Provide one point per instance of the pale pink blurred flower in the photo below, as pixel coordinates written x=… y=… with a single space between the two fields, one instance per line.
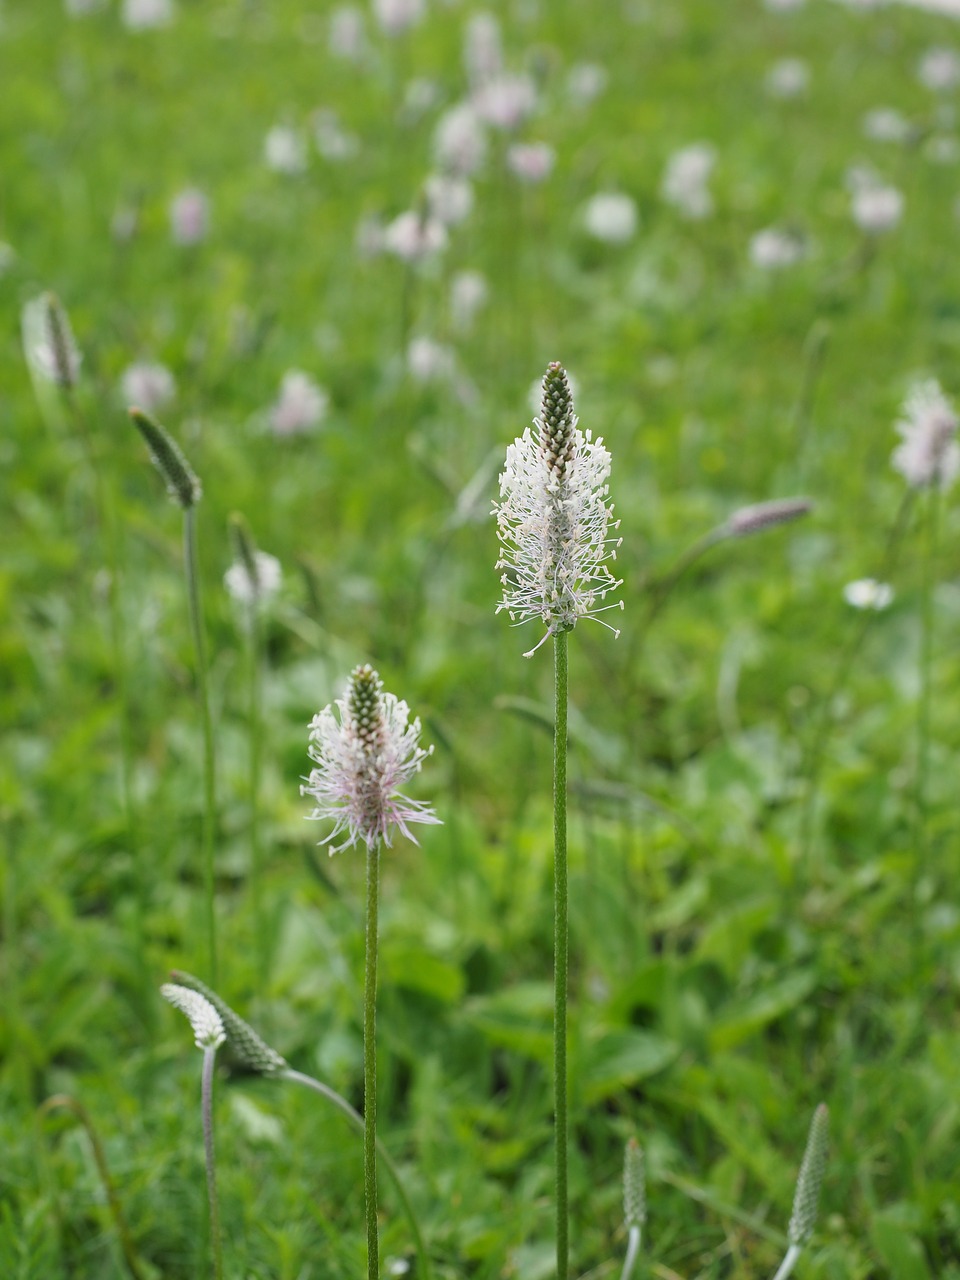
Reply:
x=189 y=216
x=585 y=82
x=257 y=588
x=773 y=249
x=482 y=53
x=413 y=236
x=939 y=70
x=147 y=384
x=885 y=124
x=347 y=35
x=301 y=405
x=505 y=101
x=868 y=593
x=285 y=150
x=531 y=161
x=788 y=78
x=929 y=453
x=685 y=180
x=365 y=748
x=429 y=361
x=612 y=217
x=145 y=15
x=876 y=208
x=468 y=292
x=449 y=199
x=459 y=142
x=397 y=16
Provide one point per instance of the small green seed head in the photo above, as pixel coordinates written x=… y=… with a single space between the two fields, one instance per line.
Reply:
x=252 y=1051
x=166 y=455
x=363 y=701
x=557 y=420
x=634 y=1185
x=807 y=1196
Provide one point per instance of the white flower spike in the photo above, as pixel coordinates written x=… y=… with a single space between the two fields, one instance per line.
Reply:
x=364 y=752
x=207 y=1026
x=554 y=520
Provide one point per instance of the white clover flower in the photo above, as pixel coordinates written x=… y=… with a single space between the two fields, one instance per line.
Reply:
x=397 y=16
x=868 y=593
x=189 y=216
x=256 y=584
x=554 y=519
x=48 y=341
x=459 y=142
x=145 y=15
x=611 y=216
x=449 y=199
x=364 y=751
x=788 y=78
x=148 y=385
x=206 y=1023
x=876 y=208
x=468 y=292
x=929 y=453
x=885 y=124
x=301 y=405
x=773 y=249
x=939 y=70
x=413 y=236
x=685 y=180
x=285 y=150
x=531 y=161
x=505 y=101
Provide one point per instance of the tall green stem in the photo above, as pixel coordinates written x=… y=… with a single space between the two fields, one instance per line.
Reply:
x=209 y=767
x=560 y=947
x=209 y=1062
x=923 y=708
x=256 y=855
x=370 y=1065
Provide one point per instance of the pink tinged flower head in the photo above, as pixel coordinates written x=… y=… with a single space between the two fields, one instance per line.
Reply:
x=876 y=208
x=301 y=405
x=347 y=37
x=929 y=453
x=397 y=16
x=149 y=385
x=531 y=161
x=506 y=101
x=554 y=519
x=413 y=236
x=482 y=49
x=364 y=749
x=459 y=142
x=189 y=217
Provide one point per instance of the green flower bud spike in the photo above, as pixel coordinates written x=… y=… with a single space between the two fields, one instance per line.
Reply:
x=806 y=1199
x=167 y=456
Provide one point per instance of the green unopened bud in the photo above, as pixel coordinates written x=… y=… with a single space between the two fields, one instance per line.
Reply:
x=634 y=1185
x=167 y=456
x=251 y=1050
x=807 y=1196
x=557 y=420
x=767 y=515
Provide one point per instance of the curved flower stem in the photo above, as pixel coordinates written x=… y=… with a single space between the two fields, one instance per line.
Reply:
x=209 y=765
x=209 y=1062
x=370 y=1064
x=255 y=657
x=560 y=947
x=923 y=709
x=789 y=1262
x=356 y=1119
x=633 y=1252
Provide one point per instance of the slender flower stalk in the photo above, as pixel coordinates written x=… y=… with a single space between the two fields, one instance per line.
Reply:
x=185 y=490
x=921 y=810
x=363 y=753
x=209 y=1035
x=634 y=1203
x=554 y=524
x=806 y=1198
x=256 y=1055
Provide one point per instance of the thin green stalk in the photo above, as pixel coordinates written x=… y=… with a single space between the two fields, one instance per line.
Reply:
x=560 y=948
x=255 y=657
x=191 y=567
x=633 y=1252
x=789 y=1262
x=356 y=1119
x=209 y=1062
x=921 y=842
x=370 y=1065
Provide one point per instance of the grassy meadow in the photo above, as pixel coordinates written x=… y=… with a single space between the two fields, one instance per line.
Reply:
x=764 y=854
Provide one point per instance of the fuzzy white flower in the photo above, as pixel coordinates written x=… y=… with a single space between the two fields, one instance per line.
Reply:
x=929 y=453
x=397 y=16
x=256 y=587
x=505 y=101
x=189 y=216
x=876 y=208
x=585 y=82
x=554 y=519
x=145 y=15
x=204 y=1020
x=482 y=53
x=531 y=161
x=429 y=361
x=148 y=385
x=468 y=293
x=285 y=150
x=413 y=236
x=301 y=405
x=347 y=37
x=611 y=216
x=939 y=70
x=788 y=78
x=363 y=752
x=449 y=199
x=772 y=249
x=685 y=180
x=459 y=142
x=886 y=124
x=868 y=593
